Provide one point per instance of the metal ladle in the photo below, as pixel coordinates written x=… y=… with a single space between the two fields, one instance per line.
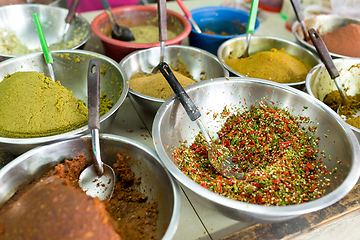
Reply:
x=328 y=62
x=188 y=15
x=223 y=164
x=299 y=16
x=250 y=27
x=97 y=180
x=119 y=32
x=162 y=31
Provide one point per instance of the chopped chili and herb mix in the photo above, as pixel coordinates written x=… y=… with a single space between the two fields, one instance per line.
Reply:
x=276 y=151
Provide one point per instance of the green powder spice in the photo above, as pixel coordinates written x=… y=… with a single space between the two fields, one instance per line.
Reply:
x=276 y=151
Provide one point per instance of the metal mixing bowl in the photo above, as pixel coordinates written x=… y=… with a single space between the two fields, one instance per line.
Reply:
x=200 y=63
x=19 y=19
x=323 y=23
x=319 y=82
x=172 y=126
x=156 y=183
x=70 y=67
x=235 y=47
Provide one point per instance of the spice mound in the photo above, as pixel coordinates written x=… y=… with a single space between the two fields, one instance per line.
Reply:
x=275 y=65
x=54 y=207
x=274 y=150
x=33 y=105
x=343 y=41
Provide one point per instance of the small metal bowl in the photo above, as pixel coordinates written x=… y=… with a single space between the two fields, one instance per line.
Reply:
x=319 y=82
x=323 y=23
x=70 y=67
x=235 y=47
x=156 y=183
x=172 y=126
x=19 y=19
x=200 y=63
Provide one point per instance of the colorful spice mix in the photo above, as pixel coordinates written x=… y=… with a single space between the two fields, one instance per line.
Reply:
x=276 y=151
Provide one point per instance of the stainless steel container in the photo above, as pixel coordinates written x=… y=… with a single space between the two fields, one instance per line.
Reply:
x=70 y=67
x=172 y=126
x=200 y=63
x=156 y=183
x=234 y=48
x=19 y=19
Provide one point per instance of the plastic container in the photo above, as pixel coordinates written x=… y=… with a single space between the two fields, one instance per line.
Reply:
x=218 y=19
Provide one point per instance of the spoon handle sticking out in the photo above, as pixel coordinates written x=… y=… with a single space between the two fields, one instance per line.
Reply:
x=327 y=60
x=111 y=16
x=252 y=17
x=94 y=111
x=47 y=55
x=70 y=16
x=299 y=16
x=188 y=15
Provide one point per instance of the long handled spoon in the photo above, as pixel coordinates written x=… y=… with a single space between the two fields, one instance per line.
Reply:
x=188 y=15
x=70 y=17
x=119 y=32
x=250 y=27
x=299 y=17
x=219 y=156
x=97 y=180
x=47 y=55
x=162 y=31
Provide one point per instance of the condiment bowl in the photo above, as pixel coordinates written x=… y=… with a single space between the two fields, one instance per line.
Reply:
x=70 y=67
x=156 y=183
x=319 y=82
x=132 y=16
x=234 y=48
x=172 y=127
x=323 y=23
x=200 y=63
x=19 y=19
x=218 y=20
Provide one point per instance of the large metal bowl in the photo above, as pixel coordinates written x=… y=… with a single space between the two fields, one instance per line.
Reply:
x=319 y=82
x=172 y=126
x=323 y=23
x=72 y=74
x=19 y=19
x=235 y=47
x=156 y=183
x=200 y=63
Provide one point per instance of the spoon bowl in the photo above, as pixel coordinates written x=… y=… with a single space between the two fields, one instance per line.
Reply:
x=97 y=180
x=119 y=32
x=219 y=156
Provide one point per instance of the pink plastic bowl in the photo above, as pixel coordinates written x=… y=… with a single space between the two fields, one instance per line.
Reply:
x=132 y=16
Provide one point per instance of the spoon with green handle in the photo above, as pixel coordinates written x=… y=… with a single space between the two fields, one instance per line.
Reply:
x=250 y=27
x=47 y=55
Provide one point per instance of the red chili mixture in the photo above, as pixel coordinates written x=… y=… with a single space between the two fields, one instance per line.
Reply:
x=274 y=150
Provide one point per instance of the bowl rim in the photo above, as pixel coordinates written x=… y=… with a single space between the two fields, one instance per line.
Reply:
x=217 y=9
x=77 y=16
x=309 y=46
x=269 y=211
x=160 y=100
x=94 y=27
x=224 y=44
x=175 y=216
x=321 y=65
x=78 y=131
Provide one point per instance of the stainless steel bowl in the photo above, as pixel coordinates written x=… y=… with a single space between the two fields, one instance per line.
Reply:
x=319 y=82
x=19 y=19
x=156 y=183
x=323 y=23
x=172 y=126
x=235 y=47
x=72 y=74
x=196 y=60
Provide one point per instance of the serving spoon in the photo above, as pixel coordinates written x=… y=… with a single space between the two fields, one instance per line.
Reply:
x=188 y=15
x=97 y=180
x=250 y=27
x=119 y=32
x=161 y=6
x=219 y=156
x=69 y=18
x=328 y=62
x=299 y=16
x=46 y=52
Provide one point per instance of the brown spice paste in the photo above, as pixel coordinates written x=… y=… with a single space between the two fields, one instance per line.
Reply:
x=275 y=65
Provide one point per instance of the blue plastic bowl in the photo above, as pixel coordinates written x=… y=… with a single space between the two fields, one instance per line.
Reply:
x=218 y=19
